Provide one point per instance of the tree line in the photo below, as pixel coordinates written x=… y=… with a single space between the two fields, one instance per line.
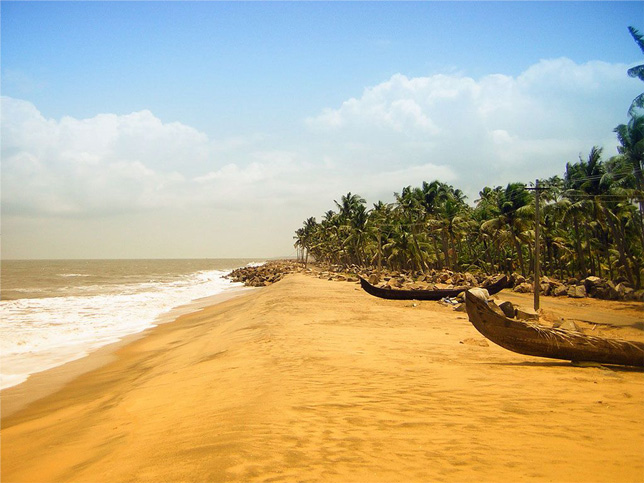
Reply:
x=591 y=220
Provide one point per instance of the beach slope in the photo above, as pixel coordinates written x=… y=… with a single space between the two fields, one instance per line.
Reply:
x=311 y=380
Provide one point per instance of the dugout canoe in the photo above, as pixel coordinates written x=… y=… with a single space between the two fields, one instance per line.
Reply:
x=394 y=294
x=536 y=340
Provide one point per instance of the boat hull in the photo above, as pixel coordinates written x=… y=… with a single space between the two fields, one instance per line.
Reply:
x=534 y=340
x=392 y=294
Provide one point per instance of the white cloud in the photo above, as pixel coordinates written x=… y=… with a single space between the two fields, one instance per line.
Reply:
x=467 y=132
x=113 y=164
x=489 y=131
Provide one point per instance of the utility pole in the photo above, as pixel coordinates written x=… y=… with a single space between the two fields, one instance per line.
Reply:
x=537 y=271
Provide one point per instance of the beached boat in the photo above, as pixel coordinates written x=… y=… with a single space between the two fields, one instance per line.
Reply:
x=394 y=294
x=536 y=340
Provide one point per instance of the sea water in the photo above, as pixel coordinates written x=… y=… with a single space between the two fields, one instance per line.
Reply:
x=56 y=311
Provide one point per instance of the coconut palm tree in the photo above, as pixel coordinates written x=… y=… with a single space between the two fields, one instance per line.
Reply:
x=411 y=211
x=305 y=236
x=514 y=212
x=637 y=71
x=631 y=139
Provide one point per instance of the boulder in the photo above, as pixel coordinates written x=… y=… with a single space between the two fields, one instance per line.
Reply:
x=560 y=290
x=470 y=279
x=508 y=309
x=524 y=287
x=590 y=282
x=623 y=290
x=611 y=288
x=545 y=288
x=577 y=291
x=637 y=296
x=444 y=277
x=374 y=279
x=495 y=307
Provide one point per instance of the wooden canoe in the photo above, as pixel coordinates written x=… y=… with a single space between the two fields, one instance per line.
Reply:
x=536 y=340
x=393 y=294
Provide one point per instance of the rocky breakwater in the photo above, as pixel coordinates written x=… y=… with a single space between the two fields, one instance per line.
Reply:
x=432 y=280
x=263 y=275
x=588 y=287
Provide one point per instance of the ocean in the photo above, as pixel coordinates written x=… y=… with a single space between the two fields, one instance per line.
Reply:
x=56 y=311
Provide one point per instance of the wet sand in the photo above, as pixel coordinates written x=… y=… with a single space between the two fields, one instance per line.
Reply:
x=311 y=380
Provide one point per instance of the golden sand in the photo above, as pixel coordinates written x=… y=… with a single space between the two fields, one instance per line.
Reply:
x=311 y=380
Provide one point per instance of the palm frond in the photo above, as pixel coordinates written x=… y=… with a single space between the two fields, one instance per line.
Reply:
x=638 y=37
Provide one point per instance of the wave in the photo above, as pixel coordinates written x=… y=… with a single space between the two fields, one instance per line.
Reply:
x=39 y=333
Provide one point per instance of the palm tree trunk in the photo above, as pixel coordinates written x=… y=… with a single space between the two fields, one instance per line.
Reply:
x=517 y=248
x=580 y=255
x=621 y=245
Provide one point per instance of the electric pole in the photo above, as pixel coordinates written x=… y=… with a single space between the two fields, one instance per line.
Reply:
x=537 y=271
x=537 y=266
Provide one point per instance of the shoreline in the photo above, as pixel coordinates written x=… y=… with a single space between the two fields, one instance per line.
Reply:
x=44 y=383
x=315 y=380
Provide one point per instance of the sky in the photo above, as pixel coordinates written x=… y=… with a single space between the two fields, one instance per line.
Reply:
x=214 y=129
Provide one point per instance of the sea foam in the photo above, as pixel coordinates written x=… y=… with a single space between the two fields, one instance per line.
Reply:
x=40 y=333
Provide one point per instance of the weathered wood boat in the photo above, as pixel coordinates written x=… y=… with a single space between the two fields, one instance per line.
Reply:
x=393 y=294
x=536 y=340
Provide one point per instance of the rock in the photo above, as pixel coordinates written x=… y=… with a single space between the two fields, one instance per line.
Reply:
x=443 y=286
x=637 y=296
x=545 y=288
x=560 y=291
x=495 y=307
x=612 y=290
x=591 y=281
x=264 y=275
x=566 y=325
x=374 y=279
x=577 y=291
x=480 y=293
x=623 y=290
x=508 y=309
x=526 y=314
x=518 y=279
x=394 y=283
x=470 y=279
x=524 y=287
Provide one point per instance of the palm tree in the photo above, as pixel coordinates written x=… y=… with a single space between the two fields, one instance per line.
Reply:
x=514 y=213
x=631 y=138
x=411 y=211
x=637 y=71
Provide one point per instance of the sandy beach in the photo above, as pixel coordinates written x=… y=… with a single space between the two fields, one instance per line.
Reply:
x=312 y=380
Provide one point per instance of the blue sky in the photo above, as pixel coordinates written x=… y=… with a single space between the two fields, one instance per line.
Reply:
x=290 y=103
x=214 y=65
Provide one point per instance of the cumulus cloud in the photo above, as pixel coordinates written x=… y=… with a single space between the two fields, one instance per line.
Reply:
x=488 y=131
x=120 y=163
x=468 y=132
